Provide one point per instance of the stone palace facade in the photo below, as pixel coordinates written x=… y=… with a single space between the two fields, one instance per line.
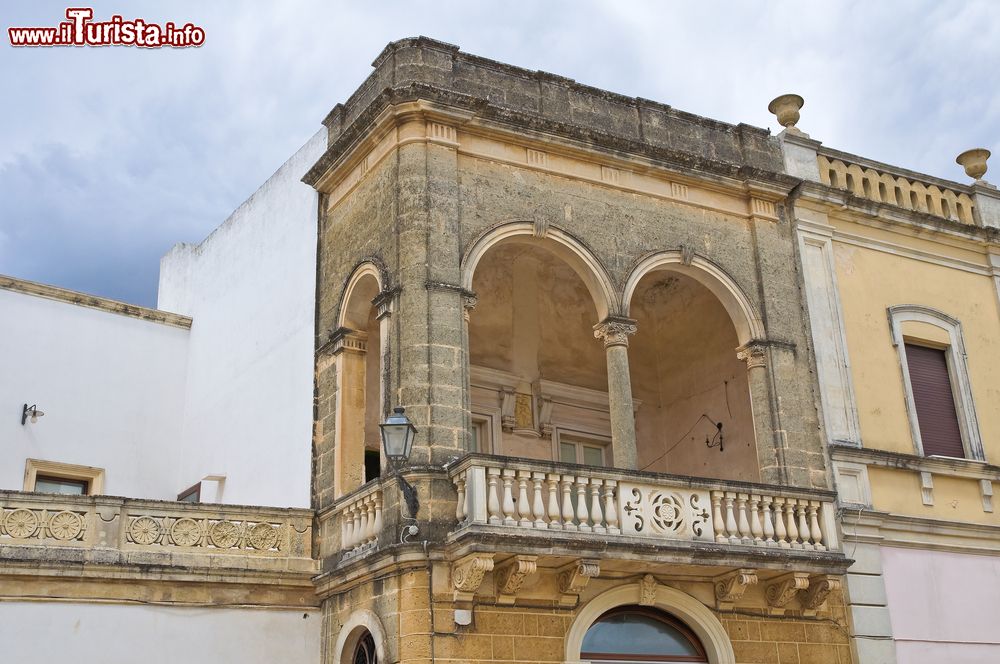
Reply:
x=684 y=391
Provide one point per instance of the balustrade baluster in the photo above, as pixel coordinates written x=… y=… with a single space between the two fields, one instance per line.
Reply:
x=363 y=529
x=744 y=522
x=595 y=506
x=555 y=520
x=377 y=523
x=537 y=501
x=755 y=528
x=567 y=503
x=717 y=523
x=731 y=527
x=358 y=531
x=509 y=513
x=768 y=523
x=804 y=525
x=779 y=523
x=461 y=509
x=493 y=500
x=523 y=504
x=581 y=504
x=346 y=528
x=611 y=507
x=817 y=532
x=793 y=530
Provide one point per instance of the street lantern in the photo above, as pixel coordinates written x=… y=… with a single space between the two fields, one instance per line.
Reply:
x=398 y=433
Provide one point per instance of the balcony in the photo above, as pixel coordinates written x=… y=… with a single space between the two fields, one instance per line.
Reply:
x=162 y=550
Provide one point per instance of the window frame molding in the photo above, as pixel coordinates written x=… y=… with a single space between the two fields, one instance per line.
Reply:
x=958 y=374
x=93 y=476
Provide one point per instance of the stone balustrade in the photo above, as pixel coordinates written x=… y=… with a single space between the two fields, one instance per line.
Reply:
x=509 y=493
x=360 y=517
x=903 y=189
x=146 y=530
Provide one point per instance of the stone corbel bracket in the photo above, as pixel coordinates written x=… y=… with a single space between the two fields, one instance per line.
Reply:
x=511 y=575
x=467 y=575
x=782 y=589
x=814 y=597
x=729 y=587
x=573 y=579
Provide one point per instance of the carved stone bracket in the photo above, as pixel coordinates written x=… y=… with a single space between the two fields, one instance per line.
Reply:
x=545 y=415
x=754 y=353
x=508 y=400
x=647 y=590
x=469 y=302
x=615 y=331
x=783 y=589
x=820 y=587
x=511 y=575
x=573 y=579
x=467 y=575
x=729 y=588
x=383 y=302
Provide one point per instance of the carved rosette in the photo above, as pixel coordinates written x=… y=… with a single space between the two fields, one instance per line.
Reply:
x=647 y=590
x=185 y=532
x=615 y=331
x=144 y=530
x=783 y=590
x=753 y=353
x=263 y=536
x=224 y=534
x=65 y=525
x=820 y=587
x=467 y=575
x=510 y=577
x=21 y=523
x=729 y=588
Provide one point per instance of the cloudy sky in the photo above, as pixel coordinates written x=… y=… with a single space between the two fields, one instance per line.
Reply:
x=108 y=156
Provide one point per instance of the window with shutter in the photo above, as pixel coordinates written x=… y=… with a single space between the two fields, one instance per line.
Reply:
x=934 y=401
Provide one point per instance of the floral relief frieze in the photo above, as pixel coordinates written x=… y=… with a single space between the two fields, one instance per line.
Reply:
x=21 y=523
x=242 y=535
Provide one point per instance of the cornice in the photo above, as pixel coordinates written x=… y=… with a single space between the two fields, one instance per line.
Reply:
x=935 y=465
x=94 y=302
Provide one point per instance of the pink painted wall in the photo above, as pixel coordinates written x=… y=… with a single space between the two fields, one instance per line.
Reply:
x=944 y=606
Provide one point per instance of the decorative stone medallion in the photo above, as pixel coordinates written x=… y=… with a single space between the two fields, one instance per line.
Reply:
x=21 y=523
x=65 y=525
x=224 y=534
x=144 y=530
x=185 y=532
x=263 y=537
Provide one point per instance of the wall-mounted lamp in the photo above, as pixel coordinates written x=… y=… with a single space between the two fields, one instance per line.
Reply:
x=398 y=433
x=32 y=412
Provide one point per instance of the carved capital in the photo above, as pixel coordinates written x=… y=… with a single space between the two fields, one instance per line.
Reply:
x=574 y=579
x=729 y=588
x=783 y=589
x=467 y=575
x=647 y=590
x=615 y=331
x=469 y=302
x=820 y=587
x=754 y=353
x=511 y=575
x=383 y=302
x=347 y=340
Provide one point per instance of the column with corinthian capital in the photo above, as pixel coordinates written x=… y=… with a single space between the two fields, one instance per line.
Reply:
x=615 y=332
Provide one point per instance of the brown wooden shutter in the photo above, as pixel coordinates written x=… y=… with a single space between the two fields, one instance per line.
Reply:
x=934 y=401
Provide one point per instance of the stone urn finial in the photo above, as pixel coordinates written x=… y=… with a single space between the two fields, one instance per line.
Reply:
x=974 y=162
x=786 y=107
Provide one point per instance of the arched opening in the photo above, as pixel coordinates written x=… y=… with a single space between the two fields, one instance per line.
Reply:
x=359 y=380
x=688 y=379
x=538 y=376
x=364 y=650
x=634 y=634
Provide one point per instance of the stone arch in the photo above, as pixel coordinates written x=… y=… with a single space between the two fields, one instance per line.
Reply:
x=746 y=320
x=686 y=608
x=562 y=244
x=362 y=287
x=357 y=624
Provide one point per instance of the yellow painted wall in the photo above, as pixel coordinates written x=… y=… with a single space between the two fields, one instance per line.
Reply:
x=870 y=281
x=955 y=498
